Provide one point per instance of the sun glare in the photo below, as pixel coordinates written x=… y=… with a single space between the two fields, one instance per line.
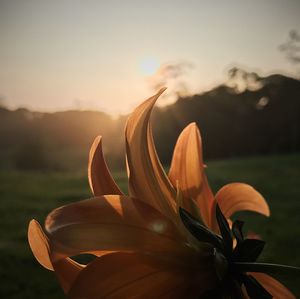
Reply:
x=149 y=66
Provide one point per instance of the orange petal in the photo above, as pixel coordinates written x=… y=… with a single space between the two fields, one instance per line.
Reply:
x=125 y=275
x=147 y=179
x=66 y=270
x=39 y=244
x=187 y=168
x=273 y=286
x=236 y=197
x=112 y=223
x=253 y=235
x=100 y=179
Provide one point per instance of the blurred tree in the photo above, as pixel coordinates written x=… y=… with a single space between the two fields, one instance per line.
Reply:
x=2 y=102
x=291 y=47
x=31 y=156
x=260 y=120
x=240 y=80
x=173 y=75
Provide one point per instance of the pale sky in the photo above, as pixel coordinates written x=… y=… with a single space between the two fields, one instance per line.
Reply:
x=63 y=54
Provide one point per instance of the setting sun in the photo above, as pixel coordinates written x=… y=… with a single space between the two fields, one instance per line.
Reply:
x=149 y=66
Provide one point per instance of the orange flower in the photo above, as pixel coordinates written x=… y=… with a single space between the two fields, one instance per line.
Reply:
x=141 y=246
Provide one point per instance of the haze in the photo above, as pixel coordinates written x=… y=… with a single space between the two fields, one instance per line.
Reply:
x=58 y=55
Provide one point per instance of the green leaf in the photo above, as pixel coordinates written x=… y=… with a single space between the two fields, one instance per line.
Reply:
x=237 y=230
x=248 y=250
x=266 y=268
x=221 y=264
x=254 y=289
x=224 y=229
x=199 y=231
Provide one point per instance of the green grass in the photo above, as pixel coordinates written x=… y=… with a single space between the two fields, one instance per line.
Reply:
x=32 y=195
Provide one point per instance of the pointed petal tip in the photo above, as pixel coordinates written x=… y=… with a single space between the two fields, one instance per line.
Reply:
x=97 y=140
x=163 y=89
x=147 y=178
x=100 y=180
x=192 y=125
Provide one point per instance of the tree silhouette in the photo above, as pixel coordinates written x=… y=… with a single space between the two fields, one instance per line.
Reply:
x=291 y=47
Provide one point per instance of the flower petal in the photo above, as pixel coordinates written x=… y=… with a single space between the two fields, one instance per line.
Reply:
x=126 y=275
x=239 y=196
x=66 y=270
x=236 y=197
x=273 y=286
x=39 y=244
x=100 y=179
x=187 y=168
x=111 y=223
x=147 y=179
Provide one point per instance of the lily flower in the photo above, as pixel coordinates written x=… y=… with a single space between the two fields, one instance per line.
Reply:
x=145 y=245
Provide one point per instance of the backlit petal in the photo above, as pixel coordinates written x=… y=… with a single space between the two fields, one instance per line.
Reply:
x=39 y=244
x=66 y=270
x=100 y=179
x=147 y=179
x=125 y=275
x=273 y=286
x=237 y=197
x=112 y=223
x=187 y=168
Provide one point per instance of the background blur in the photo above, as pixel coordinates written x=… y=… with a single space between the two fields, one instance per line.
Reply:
x=71 y=70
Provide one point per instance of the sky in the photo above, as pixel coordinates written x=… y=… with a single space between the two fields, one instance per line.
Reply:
x=72 y=54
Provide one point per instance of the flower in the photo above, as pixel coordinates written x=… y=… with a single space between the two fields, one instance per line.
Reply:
x=233 y=263
x=141 y=242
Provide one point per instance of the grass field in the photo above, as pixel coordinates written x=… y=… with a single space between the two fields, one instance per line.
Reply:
x=33 y=195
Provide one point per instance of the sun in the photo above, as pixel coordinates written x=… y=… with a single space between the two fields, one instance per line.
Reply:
x=149 y=66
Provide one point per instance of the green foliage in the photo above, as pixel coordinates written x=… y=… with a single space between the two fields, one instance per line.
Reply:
x=26 y=195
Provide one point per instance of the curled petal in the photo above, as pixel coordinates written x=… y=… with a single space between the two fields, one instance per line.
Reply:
x=236 y=197
x=123 y=275
x=100 y=179
x=39 y=244
x=147 y=179
x=66 y=270
x=187 y=168
x=111 y=223
x=273 y=286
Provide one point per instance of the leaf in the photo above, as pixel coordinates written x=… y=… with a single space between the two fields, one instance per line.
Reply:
x=221 y=264
x=229 y=288
x=224 y=229
x=237 y=230
x=198 y=230
x=248 y=250
x=254 y=289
